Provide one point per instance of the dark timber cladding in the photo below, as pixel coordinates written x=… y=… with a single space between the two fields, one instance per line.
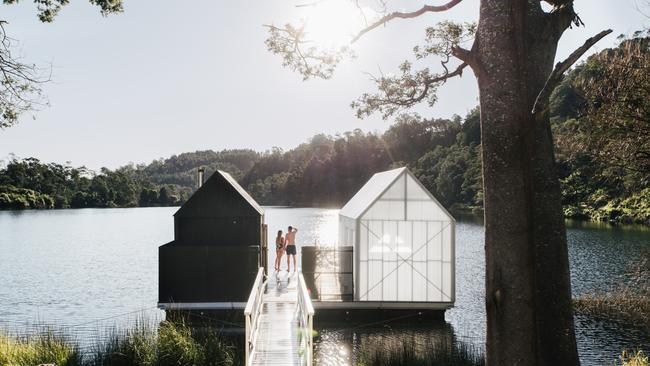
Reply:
x=218 y=236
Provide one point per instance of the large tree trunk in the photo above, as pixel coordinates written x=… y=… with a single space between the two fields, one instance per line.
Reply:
x=528 y=297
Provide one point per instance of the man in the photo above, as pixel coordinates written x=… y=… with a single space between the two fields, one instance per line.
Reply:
x=290 y=240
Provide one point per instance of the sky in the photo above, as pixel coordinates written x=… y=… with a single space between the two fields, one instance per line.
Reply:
x=165 y=77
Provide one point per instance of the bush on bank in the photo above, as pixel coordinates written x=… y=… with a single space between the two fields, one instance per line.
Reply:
x=439 y=353
x=637 y=358
x=12 y=198
x=143 y=345
x=628 y=303
x=46 y=347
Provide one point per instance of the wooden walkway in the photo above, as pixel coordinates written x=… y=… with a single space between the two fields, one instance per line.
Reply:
x=277 y=341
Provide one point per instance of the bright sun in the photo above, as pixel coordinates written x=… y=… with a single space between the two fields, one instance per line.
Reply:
x=333 y=23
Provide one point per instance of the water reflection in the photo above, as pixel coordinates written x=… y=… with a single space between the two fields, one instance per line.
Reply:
x=343 y=344
x=328 y=272
x=91 y=269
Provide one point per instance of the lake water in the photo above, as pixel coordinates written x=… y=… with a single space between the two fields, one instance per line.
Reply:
x=87 y=270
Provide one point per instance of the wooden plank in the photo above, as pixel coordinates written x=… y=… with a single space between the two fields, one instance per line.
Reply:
x=277 y=339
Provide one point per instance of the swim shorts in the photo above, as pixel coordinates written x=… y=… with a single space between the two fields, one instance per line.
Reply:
x=291 y=249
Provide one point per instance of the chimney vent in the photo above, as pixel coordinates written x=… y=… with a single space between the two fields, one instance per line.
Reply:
x=199 y=178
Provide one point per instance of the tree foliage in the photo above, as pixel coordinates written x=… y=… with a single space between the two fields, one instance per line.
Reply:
x=20 y=82
x=396 y=93
x=602 y=126
x=329 y=170
x=28 y=183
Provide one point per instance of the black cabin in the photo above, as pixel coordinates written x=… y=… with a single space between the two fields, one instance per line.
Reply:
x=219 y=235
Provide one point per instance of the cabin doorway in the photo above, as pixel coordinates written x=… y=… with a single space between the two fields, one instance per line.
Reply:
x=264 y=250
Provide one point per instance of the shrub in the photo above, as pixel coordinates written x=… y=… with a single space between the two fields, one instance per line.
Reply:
x=45 y=347
x=637 y=358
x=12 y=198
x=172 y=343
x=628 y=303
x=439 y=353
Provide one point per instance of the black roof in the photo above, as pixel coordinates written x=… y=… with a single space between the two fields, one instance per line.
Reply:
x=220 y=196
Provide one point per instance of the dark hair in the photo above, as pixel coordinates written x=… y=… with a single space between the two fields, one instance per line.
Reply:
x=290 y=228
x=279 y=232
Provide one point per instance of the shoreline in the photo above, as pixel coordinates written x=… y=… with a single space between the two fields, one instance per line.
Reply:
x=475 y=212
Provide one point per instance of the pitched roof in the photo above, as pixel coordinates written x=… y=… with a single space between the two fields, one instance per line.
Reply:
x=242 y=192
x=370 y=192
x=378 y=185
x=220 y=196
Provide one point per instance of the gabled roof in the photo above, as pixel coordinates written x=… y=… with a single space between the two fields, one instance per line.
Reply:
x=375 y=188
x=220 y=196
x=242 y=192
x=370 y=192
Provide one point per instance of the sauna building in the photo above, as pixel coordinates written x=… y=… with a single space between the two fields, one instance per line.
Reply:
x=402 y=242
x=219 y=236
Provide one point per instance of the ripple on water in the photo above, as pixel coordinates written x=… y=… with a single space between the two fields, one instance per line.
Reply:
x=72 y=267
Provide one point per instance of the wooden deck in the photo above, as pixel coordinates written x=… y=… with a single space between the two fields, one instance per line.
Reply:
x=277 y=341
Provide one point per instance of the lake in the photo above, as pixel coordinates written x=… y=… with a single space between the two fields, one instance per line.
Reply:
x=85 y=271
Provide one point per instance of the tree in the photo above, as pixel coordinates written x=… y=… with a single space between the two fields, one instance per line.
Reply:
x=20 y=82
x=601 y=119
x=615 y=118
x=148 y=197
x=528 y=294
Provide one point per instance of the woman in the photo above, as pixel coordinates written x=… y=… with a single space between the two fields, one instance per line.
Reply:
x=279 y=249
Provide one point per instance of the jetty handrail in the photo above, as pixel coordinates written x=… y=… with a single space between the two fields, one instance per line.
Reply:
x=252 y=313
x=305 y=319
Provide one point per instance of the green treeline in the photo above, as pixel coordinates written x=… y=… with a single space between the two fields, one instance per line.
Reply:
x=600 y=119
x=601 y=123
x=28 y=183
x=328 y=170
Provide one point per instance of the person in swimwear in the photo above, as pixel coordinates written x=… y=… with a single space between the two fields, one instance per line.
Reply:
x=279 y=249
x=290 y=242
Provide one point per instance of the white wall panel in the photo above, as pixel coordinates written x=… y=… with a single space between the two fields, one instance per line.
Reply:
x=446 y=242
x=446 y=288
x=364 y=239
x=419 y=281
x=414 y=191
x=390 y=281
x=362 y=286
x=404 y=248
x=396 y=191
x=375 y=280
x=415 y=210
x=435 y=281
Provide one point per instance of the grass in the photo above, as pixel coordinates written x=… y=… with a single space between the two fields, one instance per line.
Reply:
x=45 y=347
x=620 y=305
x=628 y=303
x=171 y=343
x=637 y=358
x=439 y=353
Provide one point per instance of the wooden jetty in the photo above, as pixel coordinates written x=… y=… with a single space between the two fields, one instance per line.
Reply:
x=279 y=321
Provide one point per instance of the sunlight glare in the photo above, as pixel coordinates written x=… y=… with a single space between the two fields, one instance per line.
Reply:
x=333 y=23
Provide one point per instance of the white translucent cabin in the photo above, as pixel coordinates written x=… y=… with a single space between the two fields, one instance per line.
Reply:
x=403 y=241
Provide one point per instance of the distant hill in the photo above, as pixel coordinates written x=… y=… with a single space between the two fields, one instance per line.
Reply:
x=181 y=169
x=599 y=121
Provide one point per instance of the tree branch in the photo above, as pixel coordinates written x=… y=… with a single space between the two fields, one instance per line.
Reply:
x=397 y=93
x=541 y=103
x=438 y=79
x=446 y=76
x=19 y=83
x=394 y=15
x=464 y=55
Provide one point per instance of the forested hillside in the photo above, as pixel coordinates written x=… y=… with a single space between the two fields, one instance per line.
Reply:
x=601 y=122
x=600 y=116
x=328 y=170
